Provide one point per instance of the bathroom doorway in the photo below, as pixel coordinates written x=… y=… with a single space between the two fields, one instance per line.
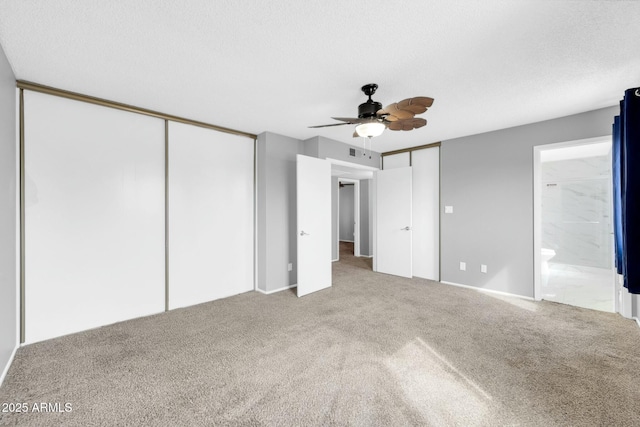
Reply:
x=573 y=224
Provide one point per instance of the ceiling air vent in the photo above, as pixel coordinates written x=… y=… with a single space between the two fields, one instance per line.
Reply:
x=352 y=152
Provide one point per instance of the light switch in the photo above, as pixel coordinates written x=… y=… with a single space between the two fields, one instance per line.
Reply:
x=463 y=266
x=483 y=268
x=448 y=209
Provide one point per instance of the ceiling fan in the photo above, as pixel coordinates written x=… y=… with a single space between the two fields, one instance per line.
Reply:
x=373 y=119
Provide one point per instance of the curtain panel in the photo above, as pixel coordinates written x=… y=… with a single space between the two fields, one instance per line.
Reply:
x=626 y=189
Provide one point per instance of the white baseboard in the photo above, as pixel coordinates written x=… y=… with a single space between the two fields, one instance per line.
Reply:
x=334 y=260
x=490 y=291
x=637 y=321
x=366 y=256
x=348 y=241
x=6 y=368
x=277 y=290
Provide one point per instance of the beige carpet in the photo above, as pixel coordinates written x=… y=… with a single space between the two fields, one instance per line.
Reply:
x=372 y=350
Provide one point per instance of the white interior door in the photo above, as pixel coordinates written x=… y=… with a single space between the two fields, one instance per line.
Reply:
x=313 y=192
x=393 y=222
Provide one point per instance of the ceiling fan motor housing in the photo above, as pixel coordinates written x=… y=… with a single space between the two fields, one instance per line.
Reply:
x=368 y=109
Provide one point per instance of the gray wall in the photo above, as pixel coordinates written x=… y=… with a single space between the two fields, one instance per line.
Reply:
x=488 y=179
x=347 y=213
x=276 y=205
x=335 y=194
x=323 y=148
x=366 y=225
x=277 y=246
x=8 y=222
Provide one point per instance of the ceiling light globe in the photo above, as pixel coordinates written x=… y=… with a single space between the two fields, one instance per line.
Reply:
x=369 y=130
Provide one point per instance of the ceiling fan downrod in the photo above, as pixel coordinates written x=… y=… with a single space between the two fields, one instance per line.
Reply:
x=369 y=108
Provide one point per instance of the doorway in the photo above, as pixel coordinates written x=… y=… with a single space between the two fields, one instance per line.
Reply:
x=358 y=209
x=573 y=224
x=353 y=223
x=349 y=216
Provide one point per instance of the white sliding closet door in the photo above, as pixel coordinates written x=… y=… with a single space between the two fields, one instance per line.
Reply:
x=400 y=160
x=393 y=222
x=94 y=216
x=425 y=165
x=210 y=215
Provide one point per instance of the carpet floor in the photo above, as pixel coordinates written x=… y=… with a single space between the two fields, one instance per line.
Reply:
x=371 y=350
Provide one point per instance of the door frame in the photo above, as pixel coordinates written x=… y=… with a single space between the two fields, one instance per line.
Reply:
x=356 y=215
x=537 y=214
x=365 y=172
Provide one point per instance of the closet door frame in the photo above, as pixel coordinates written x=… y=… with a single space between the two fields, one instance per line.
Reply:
x=34 y=87
x=403 y=158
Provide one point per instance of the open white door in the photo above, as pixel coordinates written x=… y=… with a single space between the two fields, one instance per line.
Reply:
x=393 y=222
x=313 y=192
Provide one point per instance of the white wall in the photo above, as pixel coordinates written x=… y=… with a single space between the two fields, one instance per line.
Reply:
x=94 y=216
x=210 y=215
x=8 y=220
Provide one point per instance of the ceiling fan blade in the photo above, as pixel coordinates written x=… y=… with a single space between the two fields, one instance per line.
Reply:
x=407 y=108
x=326 y=126
x=352 y=120
x=394 y=110
x=411 y=104
x=405 y=105
x=408 y=124
x=423 y=101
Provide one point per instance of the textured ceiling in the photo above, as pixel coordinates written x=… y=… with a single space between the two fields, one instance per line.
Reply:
x=281 y=66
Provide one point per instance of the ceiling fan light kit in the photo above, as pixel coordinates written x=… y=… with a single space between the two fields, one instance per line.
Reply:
x=369 y=130
x=373 y=119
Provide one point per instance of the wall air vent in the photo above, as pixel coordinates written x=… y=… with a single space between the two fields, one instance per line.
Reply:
x=352 y=152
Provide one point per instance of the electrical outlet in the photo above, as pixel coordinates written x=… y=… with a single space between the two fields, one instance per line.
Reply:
x=463 y=266
x=290 y=267
x=483 y=268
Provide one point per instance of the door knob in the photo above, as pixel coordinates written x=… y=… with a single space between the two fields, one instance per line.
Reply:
x=302 y=233
x=407 y=228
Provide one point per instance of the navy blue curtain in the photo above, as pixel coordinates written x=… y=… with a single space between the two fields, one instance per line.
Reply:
x=616 y=172
x=626 y=186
